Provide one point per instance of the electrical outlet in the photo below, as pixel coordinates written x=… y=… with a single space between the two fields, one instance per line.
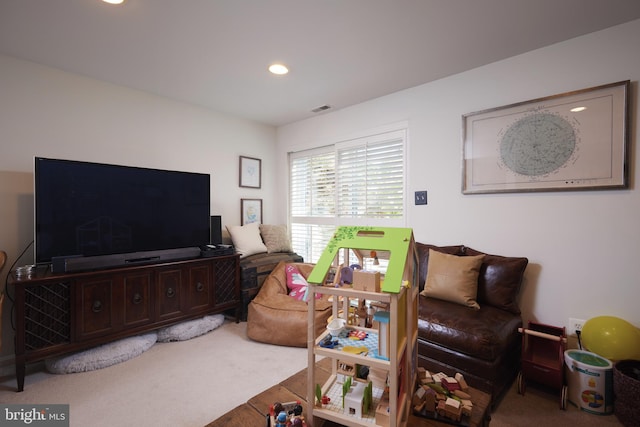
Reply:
x=575 y=325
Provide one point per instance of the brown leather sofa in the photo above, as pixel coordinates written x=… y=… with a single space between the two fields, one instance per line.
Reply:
x=482 y=344
x=276 y=318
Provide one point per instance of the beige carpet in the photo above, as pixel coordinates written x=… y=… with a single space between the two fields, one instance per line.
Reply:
x=191 y=383
x=176 y=384
x=540 y=407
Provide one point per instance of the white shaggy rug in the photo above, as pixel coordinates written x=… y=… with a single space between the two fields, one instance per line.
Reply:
x=190 y=329
x=120 y=351
x=102 y=356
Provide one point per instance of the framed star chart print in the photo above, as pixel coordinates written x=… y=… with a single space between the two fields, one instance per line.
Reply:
x=573 y=141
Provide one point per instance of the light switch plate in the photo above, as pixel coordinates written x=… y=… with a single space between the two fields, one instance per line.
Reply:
x=421 y=197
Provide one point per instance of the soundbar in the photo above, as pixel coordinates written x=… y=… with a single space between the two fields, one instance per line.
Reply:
x=76 y=263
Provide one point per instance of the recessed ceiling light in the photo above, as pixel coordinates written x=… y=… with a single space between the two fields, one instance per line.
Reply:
x=278 y=69
x=114 y=1
x=578 y=109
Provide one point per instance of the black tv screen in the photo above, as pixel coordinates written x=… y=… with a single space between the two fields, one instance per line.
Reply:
x=93 y=209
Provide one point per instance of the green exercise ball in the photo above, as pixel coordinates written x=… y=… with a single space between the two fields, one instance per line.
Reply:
x=612 y=338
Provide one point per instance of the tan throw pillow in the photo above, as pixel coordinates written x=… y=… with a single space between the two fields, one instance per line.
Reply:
x=453 y=278
x=246 y=239
x=275 y=238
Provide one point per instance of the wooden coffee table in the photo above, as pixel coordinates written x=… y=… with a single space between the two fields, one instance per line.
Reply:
x=294 y=388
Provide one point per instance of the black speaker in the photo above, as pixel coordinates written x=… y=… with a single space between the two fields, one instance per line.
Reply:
x=216 y=230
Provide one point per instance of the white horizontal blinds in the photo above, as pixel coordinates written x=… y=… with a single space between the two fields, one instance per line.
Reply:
x=312 y=201
x=310 y=240
x=312 y=179
x=356 y=182
x=352 y=182
x=370 y=178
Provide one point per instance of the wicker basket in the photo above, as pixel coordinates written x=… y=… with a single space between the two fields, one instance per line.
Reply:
x=626 y=389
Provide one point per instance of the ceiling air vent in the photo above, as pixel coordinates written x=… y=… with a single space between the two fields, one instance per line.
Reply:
x=321 y=108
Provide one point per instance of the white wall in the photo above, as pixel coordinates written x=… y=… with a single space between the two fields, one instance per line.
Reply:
x=51 y=113
x=583 y=247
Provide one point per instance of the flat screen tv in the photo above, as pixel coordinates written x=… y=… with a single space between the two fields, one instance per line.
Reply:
x=87 y=209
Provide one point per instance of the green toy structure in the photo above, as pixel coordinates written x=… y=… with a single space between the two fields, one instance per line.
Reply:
x=398 y=242
x=390 y=287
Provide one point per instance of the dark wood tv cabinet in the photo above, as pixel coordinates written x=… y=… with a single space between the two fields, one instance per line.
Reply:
x=62 y=313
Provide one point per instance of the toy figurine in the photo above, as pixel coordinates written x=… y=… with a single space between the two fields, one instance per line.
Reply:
x=346 y=276
x=297 y=410
x=281 y=419
x=297 y=420
x=278 y=407
x=286 y=414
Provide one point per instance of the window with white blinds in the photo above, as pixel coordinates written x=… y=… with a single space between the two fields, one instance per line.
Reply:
x=357 y=182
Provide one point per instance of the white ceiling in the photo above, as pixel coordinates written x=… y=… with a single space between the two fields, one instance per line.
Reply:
x=215 y=53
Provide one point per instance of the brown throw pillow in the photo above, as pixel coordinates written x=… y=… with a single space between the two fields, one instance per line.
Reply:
x=500 y=280
x=453 y=278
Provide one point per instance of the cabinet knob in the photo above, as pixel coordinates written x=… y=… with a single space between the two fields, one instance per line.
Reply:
x=96 y=307
x=170 y=292
x=199 y=287
x=137 y=298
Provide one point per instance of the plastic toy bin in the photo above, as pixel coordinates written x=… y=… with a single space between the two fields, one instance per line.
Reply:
x=590 y=379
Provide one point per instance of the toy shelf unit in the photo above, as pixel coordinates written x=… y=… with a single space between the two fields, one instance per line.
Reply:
x=542 y=361
x=372 y=368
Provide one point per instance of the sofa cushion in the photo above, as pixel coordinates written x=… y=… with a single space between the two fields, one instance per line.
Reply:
x=297 y=284
x=247 y=239
x=453 y=278
x=486 y=333
x=423 y=258
x=499 y=279
x=275 y=238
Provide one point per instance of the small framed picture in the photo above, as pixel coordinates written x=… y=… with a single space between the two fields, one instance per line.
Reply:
x=250 y=172
x=251 y=211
